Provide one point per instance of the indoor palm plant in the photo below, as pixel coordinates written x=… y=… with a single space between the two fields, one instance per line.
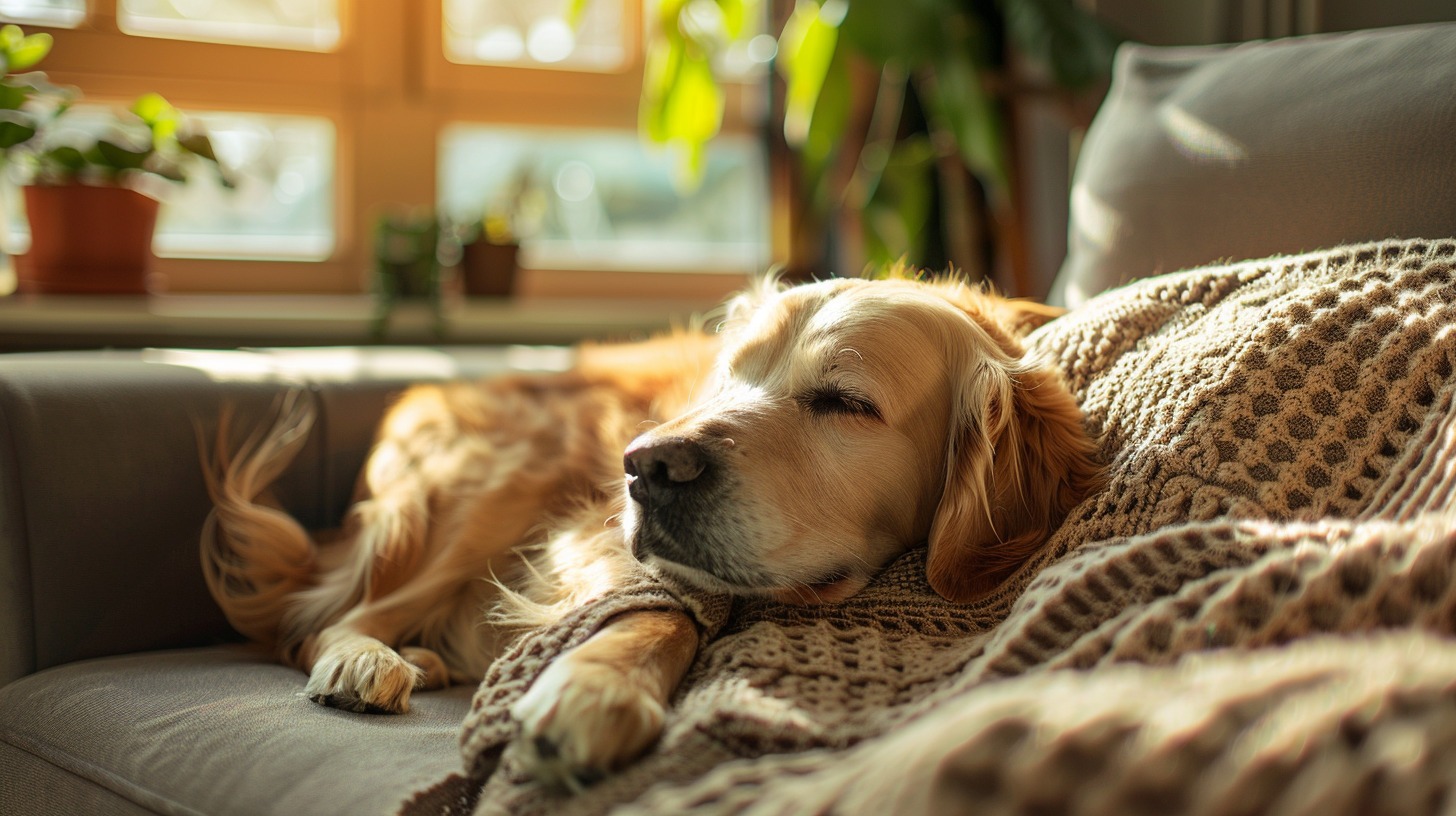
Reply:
x=89 y=178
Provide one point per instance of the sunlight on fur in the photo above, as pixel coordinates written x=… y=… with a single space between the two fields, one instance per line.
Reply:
x=818 y=434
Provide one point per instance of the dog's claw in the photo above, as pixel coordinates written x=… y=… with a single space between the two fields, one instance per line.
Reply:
x=364 y=676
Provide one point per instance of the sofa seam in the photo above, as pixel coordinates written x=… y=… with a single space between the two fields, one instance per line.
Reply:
x=11 y=464
x=94 y=774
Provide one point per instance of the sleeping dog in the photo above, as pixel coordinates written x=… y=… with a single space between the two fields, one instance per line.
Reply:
x=822 y=431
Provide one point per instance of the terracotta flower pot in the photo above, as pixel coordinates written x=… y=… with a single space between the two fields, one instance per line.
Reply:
x=489 y=270
x=87 y=240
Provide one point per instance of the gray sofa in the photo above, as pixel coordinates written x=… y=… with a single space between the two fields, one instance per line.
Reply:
x=124 y=689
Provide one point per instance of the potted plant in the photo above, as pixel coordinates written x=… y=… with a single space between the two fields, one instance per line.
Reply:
x=89 y=181
x=490 y=247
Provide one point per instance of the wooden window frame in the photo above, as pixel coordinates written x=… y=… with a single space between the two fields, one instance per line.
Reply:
x=389 y=91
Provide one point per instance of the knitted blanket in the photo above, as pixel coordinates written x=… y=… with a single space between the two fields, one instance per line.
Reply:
x=1254 y=616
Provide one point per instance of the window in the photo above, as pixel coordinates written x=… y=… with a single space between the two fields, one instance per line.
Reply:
x=536 y=33
x=283 y=206
x=58 y=13
x=312 y=25
x=337 y=111
x=604 y=198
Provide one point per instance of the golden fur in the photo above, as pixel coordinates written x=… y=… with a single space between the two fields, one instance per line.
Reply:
x=821 y=432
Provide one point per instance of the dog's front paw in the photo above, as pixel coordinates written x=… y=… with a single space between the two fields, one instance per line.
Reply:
x=582 y=719
x=364 y=675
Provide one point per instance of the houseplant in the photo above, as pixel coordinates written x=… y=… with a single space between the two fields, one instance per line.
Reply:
x=89 y=178
x=894 y=111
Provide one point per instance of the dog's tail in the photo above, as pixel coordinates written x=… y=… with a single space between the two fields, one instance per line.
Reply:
x=255 y=557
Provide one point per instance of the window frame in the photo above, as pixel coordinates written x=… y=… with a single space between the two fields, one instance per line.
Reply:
x=389 y=90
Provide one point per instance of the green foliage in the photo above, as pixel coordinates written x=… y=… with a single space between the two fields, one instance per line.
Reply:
x=18 y=91
x=939 y=51
x=20 y=50
x=898 y=212
x=682 y=102
x=152 y=137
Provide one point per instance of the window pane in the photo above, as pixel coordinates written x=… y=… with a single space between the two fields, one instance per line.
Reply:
x=281 y=209
x=308 y=25
x=283 y=206
x=57 y=13
x=605 y=200
x=535 y=33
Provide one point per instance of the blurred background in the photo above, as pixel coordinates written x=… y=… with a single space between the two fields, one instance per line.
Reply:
x=645 y=156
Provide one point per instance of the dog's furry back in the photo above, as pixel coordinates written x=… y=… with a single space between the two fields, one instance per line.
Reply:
x=460 y=477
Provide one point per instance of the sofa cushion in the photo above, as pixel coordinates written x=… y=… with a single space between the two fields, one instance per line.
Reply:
x=102 y=493
x=1211 y=153
x=219 y=730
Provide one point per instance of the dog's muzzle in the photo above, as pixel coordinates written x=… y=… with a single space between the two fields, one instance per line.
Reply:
x=677 y=485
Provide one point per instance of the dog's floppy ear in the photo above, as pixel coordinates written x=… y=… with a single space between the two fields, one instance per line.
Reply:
x=1018 y=460
x=1021 y=316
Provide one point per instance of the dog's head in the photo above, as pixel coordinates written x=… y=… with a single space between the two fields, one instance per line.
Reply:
x=849 y=421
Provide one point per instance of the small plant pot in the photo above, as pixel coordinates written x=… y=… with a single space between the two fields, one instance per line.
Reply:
x=488 y=270
x=87 y=240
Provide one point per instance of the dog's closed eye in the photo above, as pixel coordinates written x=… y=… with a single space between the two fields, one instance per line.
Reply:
x=834 y=400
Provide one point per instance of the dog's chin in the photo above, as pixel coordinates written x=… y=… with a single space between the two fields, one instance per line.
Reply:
x=832 y=587
x=694 y=576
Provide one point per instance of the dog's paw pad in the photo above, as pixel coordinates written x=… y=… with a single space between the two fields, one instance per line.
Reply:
x=368 y=680
x=581 y=720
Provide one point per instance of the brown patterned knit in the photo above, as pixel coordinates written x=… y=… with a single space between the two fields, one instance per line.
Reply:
x=1246 y=620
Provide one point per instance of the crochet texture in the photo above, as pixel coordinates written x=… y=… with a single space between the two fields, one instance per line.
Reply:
x=1252 y=617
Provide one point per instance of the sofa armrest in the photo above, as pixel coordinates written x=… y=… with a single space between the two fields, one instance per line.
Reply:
x=102 y=496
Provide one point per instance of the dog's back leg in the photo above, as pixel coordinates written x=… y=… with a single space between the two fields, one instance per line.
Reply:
x=443 y=508
x=429 y=627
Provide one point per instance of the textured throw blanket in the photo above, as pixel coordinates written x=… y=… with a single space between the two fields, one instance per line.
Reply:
x=1253 y=617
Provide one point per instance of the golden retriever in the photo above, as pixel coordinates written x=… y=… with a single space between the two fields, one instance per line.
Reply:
x=823 y=430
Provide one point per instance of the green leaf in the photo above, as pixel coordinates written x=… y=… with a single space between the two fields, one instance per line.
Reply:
x=905 y=31
x=10 y=37
x=829 y=118
x=15 y=128
x=197 y=143
x=168 y=170
x=1056 y=33
x=960 y=103
x=117 y=157
x=28 y=51
x=157 y=112
x=683 y=100
x=12 y=96
x=67 y=159
x=896 y=217
x=693 y=109
x=735 y=16
x=806 y=52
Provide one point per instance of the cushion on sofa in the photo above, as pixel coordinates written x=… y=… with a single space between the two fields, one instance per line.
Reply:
x=1214 y=153
x=220 y=730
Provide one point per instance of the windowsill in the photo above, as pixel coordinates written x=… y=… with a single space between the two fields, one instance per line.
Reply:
x=34 y=323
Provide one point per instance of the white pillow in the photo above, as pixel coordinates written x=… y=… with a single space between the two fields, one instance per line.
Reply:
x=1215 y=153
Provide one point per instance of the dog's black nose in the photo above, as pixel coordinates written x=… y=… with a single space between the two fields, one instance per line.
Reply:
x=658 y=470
